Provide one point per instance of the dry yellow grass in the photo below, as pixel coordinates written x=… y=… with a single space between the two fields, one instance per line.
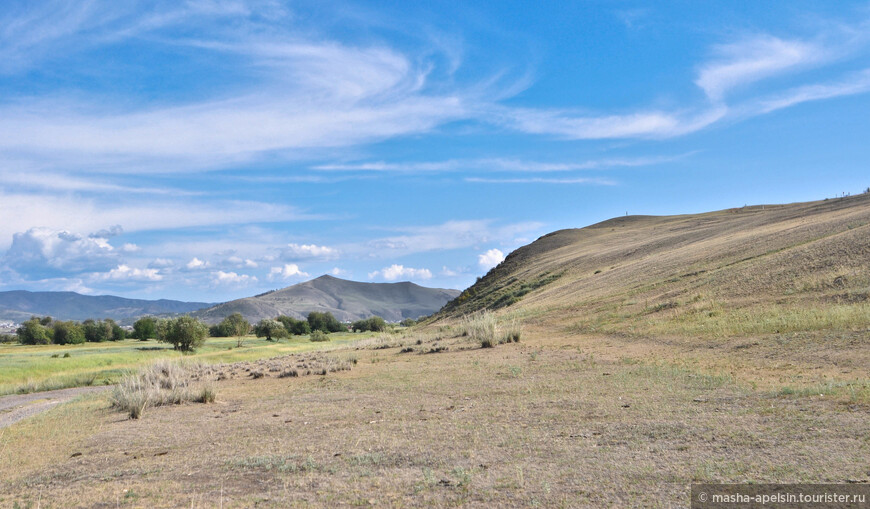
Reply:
x=655 y=352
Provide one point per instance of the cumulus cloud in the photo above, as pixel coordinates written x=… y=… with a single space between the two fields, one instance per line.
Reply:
x=339 y=272
x=126 y=273
x=44 y=253
x=308 y=251
x=196 y=263
x=394 y=272
x=490 y=259
x=289 y=270
x=161 y=263
x=232 y=278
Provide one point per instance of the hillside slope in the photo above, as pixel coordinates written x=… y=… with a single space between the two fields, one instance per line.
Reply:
x=20 y=305
x=752 y=270
x=346 y=300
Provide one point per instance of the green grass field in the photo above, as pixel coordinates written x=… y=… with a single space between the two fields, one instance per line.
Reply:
x=26 y=368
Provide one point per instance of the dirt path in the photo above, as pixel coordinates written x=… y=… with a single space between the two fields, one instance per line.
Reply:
x=21 y=406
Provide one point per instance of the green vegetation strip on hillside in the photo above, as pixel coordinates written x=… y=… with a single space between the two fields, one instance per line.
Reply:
x=25 y=368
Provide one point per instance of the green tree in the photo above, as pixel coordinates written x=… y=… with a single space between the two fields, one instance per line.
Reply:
x=324 y=322
x=97 y=331
x=145 y=328
x=294 y=326
x=68 y=333
x=374 y=324
x=269 y=329
x=185 y=333
x=32 y=332
x=408 y=322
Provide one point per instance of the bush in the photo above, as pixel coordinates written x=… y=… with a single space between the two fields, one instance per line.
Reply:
x=234 y=325
x=68 y=333
x=269 y=329
x=373 y=324
x=318 y=336
x=145 y=328
x=294 y=326
x=33 y=332
x=185 y=333
x=408 y=322
x=8 y=338
x=324 y=322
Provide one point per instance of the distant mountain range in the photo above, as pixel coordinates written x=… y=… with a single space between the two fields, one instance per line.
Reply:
x=19 y=305
x=346 y=300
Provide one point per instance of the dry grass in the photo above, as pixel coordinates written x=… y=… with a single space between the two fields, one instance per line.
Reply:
x=162 y=383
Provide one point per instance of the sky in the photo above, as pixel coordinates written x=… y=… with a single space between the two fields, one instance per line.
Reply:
x=209 y=150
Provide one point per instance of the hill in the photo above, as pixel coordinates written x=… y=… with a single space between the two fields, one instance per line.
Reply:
x=800 y=268
x=18 y=305
x=346 y=300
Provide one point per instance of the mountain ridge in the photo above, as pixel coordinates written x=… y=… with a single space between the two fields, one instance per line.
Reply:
x=346 y=300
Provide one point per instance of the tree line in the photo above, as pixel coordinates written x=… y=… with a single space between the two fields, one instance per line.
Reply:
x=186 y=333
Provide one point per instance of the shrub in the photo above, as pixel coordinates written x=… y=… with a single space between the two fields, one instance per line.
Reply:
x=318 y=336
x=269 y=329
x=373 y=324
x=185 y=333
x=33 y=332
x=68 y=333
x=408 y=322
x=294 y=326
x=8 y=338
x=145 y=328
x=324 y=322
x=234 y=325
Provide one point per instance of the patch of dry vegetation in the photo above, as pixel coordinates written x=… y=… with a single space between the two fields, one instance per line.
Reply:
x=162 y=383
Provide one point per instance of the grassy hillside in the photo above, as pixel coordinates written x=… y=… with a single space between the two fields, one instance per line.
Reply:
x=762 y=269
x=774 y=294
x=347 y=300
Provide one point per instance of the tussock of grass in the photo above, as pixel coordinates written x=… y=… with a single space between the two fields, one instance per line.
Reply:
x=488 y=330
x=162 y=383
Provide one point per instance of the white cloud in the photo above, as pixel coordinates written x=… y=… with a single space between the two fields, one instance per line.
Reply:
x=246 y=262
x=450 y=235
x=289 y=270
x=196 y=263
x=394 y=272
x=130 y=248
x=446 y=272
x=309 y=251
x=45 y=252
x=490 y=259
x=126 y=273
x=76 y=213
x=751 y=60
x=161 y=263
x=232 y=278
x=339 y=272
x=539 y=180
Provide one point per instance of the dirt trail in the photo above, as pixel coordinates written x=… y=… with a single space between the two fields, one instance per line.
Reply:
x=21 y=406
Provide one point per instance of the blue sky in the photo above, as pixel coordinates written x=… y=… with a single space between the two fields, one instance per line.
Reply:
x=209 y=150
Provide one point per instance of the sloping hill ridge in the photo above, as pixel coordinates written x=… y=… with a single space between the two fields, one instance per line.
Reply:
x=20 y=305
x=346 y=300
x=729 y=272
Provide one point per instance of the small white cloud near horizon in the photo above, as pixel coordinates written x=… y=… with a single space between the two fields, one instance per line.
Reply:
x=232 y=278
x=339 y=272
x=490 y=259
x=395 y=271
x=309 y=251
x=126 y=273
x=288 y=271
x=446 y=272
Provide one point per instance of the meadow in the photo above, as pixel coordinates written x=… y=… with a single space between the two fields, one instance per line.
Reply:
x=33 y=368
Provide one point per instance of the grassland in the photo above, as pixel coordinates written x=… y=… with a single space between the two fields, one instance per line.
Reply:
x=26 y=368
x=729 y=347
